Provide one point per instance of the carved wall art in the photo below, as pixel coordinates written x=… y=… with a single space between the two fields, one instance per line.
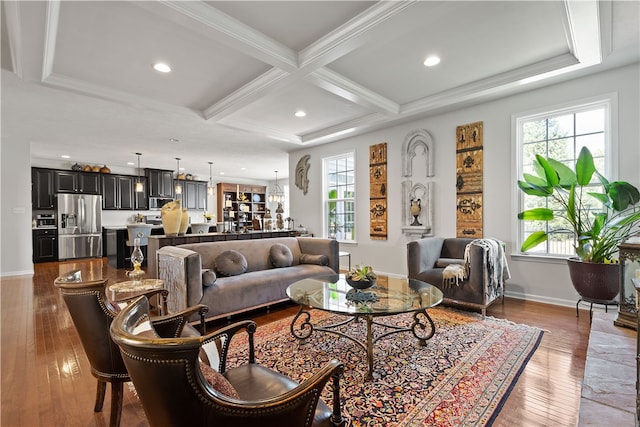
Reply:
x=378 y=191
x=469 y=180
x=302 y=173
x=416 y=142
x=417 y=199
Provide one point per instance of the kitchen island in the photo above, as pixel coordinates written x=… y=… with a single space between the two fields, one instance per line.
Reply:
x=115 y=248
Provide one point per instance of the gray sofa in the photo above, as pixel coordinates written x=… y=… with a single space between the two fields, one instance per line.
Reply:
x=428 y=257
x=183 y=267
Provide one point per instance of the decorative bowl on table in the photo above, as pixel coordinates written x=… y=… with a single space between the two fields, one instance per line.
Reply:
x=361 y=277
x=360 y=284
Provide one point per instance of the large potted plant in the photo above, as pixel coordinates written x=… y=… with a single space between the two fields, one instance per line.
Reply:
x=598 y=230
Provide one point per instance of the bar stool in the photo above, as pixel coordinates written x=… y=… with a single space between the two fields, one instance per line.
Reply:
x=142 y=232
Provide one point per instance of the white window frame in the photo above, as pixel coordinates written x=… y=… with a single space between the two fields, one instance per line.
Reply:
x=325 y=196
x=609 y=102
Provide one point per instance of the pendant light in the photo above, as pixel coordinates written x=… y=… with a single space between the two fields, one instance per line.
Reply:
x=178 y=189
x=139 y=184
x=210 y=188
x=276 y=195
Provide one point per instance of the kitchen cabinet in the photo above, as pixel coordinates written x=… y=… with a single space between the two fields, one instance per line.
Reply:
x=117 y=192
x=77 y=182
x=42 y=192
x=141 y=200
x=45 y=245
x=194 y=194
x=160 y=182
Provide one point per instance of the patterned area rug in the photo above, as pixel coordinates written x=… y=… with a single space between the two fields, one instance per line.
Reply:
x=461 y=378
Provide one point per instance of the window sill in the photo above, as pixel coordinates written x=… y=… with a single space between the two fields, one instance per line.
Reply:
x=549 y=259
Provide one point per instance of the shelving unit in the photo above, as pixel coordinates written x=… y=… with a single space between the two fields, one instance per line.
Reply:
x=241 y=203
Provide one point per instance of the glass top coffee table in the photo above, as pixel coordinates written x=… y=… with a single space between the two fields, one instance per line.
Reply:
x=390 y=296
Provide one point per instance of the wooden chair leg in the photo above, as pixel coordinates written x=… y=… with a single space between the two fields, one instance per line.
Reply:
x=100 y=392
x=116 y=403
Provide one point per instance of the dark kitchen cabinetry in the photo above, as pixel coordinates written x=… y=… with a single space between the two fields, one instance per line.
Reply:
x=117 y=192
x=77 y=182
x=45 y=245
x=42 y=192
x=141 y=200
x=160 y=182
x=194 y=194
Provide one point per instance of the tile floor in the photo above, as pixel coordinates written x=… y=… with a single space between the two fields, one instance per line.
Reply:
x=609 y=386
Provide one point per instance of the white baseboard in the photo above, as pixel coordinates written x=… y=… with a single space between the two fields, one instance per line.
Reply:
x=27 y=273
x=542 y=299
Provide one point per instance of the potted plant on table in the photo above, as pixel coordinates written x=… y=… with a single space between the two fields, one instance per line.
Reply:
x=598 y=232
x=361 y=277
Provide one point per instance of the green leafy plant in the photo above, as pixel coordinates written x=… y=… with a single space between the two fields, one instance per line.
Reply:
x=359 y=273
x=598 y=233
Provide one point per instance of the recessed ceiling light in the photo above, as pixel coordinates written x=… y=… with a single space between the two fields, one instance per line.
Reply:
x=65 y=156
x=431 y=61
x=131 y=163
x=300 y=113
x=221 y=173
x=161 y=67
x=242 y=169
x=174 y=140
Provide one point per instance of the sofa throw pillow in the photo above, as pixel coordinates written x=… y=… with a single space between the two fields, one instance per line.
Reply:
x=218 y=382
x=314 y=259
x=444 y=262
x=280 y=255
x=208 y=277
x=231 y=263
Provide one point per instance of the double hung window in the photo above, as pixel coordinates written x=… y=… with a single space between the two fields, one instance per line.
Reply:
x=339 y=197
x=561 y=134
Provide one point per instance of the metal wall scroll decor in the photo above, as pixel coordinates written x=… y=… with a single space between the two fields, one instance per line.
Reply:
x=302 y=173
x=378 y=191
x=469 y=180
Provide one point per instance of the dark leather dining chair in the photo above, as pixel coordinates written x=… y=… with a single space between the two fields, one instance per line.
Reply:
x=92 y=314
x=169 y=377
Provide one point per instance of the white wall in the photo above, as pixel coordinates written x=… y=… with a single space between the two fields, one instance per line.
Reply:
x=15 y=207
x=539 y=280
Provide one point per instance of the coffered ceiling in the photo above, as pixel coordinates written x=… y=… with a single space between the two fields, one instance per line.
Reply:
x=78 y=77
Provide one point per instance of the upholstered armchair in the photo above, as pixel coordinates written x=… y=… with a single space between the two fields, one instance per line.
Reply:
x=176 y=387
x=92 y=314
x=479 y=283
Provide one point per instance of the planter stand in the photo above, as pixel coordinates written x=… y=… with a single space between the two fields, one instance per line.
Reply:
x=593 y=301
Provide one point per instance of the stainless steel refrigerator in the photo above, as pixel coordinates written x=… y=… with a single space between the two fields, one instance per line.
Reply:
x=79 y=226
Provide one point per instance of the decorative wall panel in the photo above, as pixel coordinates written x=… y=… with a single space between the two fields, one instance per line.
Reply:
x=469 y=180
x=378 y=191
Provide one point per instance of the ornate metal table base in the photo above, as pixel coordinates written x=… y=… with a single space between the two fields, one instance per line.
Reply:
x=422 y=328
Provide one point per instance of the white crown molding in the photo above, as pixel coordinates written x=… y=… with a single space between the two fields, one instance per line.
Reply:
x=82 y=87
x=490 y=86
x=50 y=36
x=351 y=127
x=14 y=31
x=605 y=13
x=260 y=130
x=341 y=86
x=584 y=30
x=252 y=91
x=232 y=32
x=349 y=36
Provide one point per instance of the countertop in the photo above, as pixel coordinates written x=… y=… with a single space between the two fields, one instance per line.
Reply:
x=124 y=227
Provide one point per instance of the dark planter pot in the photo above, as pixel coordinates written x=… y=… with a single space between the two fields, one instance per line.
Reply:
x=595 y=282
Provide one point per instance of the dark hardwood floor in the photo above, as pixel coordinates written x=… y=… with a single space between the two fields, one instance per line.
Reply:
x=46 y=379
